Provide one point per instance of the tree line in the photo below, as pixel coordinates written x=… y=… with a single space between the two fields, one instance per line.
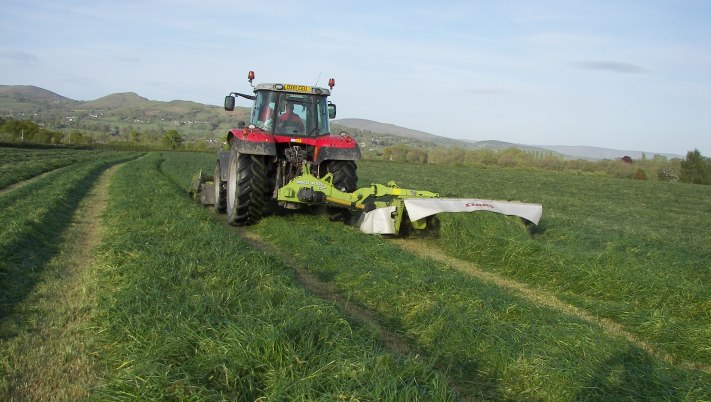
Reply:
x=26 y=131
x=695 y=168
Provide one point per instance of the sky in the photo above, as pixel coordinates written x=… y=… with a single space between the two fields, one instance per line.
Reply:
x=626 y=74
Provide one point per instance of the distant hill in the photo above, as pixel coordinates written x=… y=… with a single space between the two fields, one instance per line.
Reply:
x=121 y=112
x=570 y=152
x=115 y=101
x=31 y=94
x=586 y=152
x=117 y=113
x=27 y=99
x=500 y=145
x=385 y=128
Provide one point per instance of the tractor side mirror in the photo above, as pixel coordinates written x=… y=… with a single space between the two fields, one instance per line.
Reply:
x=331 y=110
x=229 y=103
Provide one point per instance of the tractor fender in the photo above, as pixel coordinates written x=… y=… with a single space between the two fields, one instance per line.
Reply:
x=336 y=148
x=223 y=158
x=251 y=141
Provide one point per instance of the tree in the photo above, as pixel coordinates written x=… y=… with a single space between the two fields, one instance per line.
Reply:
x=416 y=155
x=22 y=130
x=134 y=135
x=640 y=174
x=77 y=137
x=696 y=169
x=397 y=153
x=172 y=139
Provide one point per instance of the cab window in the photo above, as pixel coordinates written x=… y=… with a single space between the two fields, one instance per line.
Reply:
x=263 y=111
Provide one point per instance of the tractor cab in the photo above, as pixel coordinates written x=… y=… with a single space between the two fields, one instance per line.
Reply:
x=300 y=111
x=288 y=109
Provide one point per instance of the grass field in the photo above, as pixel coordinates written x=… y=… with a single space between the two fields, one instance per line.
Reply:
x=17 y=164
x=33 y=216
x=607 y=300
x=633 y=251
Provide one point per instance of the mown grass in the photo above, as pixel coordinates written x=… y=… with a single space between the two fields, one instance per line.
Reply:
x=636 y=252
x=33 y=218
x=493 y=344
x=46 y=350
x=190 y=311
x=42 y=297
x=17 y=164
x=187 y=310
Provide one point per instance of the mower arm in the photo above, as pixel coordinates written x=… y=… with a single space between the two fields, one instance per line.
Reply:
x=384 y=206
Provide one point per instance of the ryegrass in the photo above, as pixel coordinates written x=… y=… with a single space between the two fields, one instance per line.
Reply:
x=42 y=295
x=638 y=253
x=46 y=350
x=494 y=344
x=189 y=311
x=32 y=219
x=17 y=164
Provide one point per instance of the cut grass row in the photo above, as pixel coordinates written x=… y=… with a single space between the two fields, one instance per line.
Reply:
x=10 y=154
x=189 y=311
x=494 y=344
x=46 y=350
x=32 y=219
x=14 y=169
x=638 y=253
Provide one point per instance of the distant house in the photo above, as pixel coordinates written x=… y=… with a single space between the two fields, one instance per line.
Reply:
x=626 y=159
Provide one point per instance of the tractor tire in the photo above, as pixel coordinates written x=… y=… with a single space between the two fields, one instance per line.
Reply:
x=344 y=179
x=246 y=188
x=220 y=191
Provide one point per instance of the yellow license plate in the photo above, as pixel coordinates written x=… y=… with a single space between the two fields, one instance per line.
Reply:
x=297 y=88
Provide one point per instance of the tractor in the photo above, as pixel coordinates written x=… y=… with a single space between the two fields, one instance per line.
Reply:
x=288 y=128
x=287 y=156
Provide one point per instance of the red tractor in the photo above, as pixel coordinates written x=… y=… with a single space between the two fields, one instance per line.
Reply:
x=289 y=125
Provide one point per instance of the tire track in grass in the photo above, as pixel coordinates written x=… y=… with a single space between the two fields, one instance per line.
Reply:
x=398 y=344
x=329 y=292
x=323 y=290
x=51 y=357
x=425 y=250
x=394 y=342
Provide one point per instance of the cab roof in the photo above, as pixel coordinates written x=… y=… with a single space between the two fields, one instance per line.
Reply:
x=293 y=88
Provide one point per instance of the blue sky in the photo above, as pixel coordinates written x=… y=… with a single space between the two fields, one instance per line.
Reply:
x=631 y=75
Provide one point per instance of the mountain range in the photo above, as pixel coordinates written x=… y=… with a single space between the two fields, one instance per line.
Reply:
x=128 y=109
x=572 y=152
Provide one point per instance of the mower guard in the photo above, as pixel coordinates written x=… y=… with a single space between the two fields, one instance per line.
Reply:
x=383 y=220
x=418 y=208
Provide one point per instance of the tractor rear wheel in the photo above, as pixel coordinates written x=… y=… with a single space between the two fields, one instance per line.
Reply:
x=246 y=188
x=345 y=179
x=220 y=190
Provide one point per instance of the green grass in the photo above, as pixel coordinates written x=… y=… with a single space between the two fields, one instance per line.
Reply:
x=43 y=298
x=190 y=311
x=46 y=350
x=636 y=252
x=597 y=247
x=33 y=218
x=493 y=343
x=186 y=309
x=17 y=164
